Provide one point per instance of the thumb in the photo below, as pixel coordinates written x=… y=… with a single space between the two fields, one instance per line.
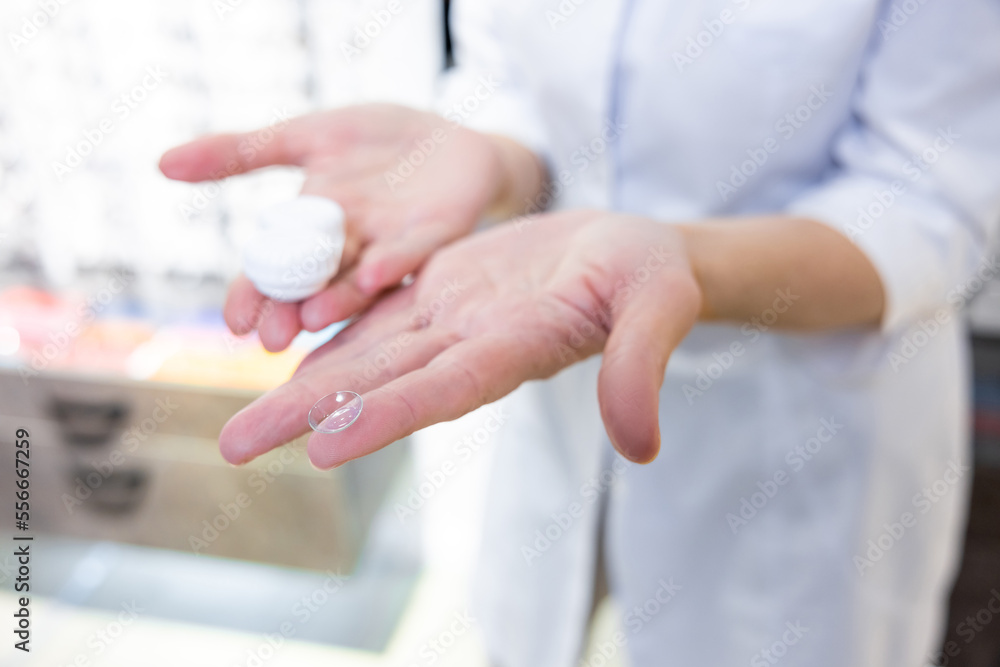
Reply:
x=646 y=329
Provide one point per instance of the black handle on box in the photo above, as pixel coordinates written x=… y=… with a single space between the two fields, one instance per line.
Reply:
x=88 y=423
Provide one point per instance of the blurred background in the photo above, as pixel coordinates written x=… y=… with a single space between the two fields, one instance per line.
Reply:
x=149 y=549
x=114 y=356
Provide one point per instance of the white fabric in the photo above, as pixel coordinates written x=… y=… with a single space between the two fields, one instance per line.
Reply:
x=885 y=411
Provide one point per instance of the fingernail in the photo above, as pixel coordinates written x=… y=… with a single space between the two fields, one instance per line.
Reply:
x=333 y=467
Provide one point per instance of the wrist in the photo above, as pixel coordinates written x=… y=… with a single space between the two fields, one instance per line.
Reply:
x=743 y=265
x=700 y=258
x=520 y=176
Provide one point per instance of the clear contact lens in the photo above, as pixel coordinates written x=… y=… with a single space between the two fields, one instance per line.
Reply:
x=335 y=412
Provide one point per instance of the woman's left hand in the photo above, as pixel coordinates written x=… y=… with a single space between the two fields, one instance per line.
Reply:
x=518 y=302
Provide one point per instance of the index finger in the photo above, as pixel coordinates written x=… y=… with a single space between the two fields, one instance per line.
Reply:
x=465 y=376
x=346 y=363
x=221 y=155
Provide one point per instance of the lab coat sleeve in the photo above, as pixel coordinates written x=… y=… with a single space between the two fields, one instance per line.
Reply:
x=916 y=173
x=485 y=91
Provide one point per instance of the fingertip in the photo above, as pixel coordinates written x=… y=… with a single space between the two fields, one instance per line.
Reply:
x=191 y=162
x=279 y=328
x=233 y=442
x=322 y=453
x=233 y=458
x=634 y=431
x=317 y=313
x=245 y=307
x=274 y=343
x=368 y=279
x=628 y=392
x=173 y=165
x=643 y=452
x=312 y=320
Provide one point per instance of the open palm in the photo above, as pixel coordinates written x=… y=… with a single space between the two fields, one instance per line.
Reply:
x=511 y=304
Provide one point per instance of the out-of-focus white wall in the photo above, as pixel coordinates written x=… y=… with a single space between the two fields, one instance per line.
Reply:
x=76 y=195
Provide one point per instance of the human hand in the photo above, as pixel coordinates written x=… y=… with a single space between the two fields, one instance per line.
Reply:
x=514 y=303
x=395 y=219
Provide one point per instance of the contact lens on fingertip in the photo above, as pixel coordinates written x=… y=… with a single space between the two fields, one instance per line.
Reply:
x=335 y=412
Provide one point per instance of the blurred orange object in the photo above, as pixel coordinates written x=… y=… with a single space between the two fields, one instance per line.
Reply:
x=63 y=333
x=212 y=357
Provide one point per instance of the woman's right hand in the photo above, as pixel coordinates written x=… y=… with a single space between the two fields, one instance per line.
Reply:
x=410 y=182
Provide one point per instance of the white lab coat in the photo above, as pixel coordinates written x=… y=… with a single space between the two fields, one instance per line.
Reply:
x=807 y=505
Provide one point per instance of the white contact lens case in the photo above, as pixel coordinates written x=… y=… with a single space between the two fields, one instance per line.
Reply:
x=296 y=249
